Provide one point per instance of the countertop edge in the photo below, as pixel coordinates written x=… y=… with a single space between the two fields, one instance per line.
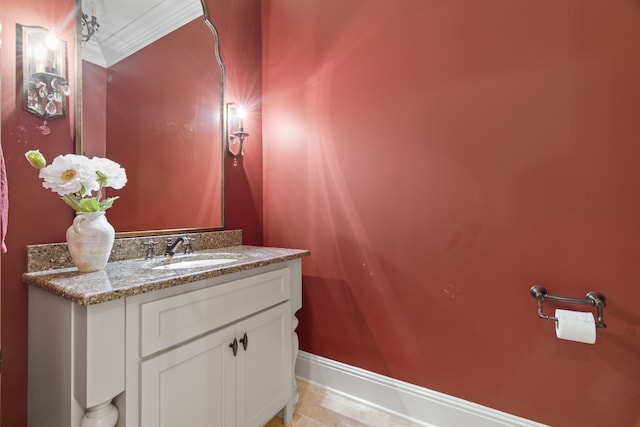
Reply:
x=52 y=281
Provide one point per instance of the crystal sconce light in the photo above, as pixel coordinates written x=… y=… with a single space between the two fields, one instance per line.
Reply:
x=237 y=138
x=44 y=72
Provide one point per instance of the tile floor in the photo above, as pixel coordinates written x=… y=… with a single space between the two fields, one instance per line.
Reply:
x=319 y=408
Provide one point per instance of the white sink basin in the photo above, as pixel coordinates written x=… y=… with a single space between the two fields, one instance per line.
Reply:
x=193 y=263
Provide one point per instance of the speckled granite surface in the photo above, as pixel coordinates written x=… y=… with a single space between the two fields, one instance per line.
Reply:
x=135 y=275
x=56 y=255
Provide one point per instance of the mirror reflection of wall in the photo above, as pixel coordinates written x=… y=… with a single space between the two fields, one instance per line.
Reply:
x=156 y=111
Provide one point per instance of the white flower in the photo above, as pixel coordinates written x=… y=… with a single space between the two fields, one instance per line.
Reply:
x=76 y=178
x=69 y=174
x=114 y=174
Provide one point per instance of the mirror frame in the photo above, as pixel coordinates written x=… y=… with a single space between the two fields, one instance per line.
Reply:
x=78 y=146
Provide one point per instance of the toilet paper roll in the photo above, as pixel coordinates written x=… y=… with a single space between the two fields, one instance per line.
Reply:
x=576 y=326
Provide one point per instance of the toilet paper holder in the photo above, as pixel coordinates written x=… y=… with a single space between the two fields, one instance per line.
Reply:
x=593 y=298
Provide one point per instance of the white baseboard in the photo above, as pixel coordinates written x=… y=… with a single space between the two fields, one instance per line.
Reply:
x=418 y=405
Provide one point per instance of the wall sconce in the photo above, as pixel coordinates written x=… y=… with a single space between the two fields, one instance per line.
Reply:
x=237 y=138
x=89 y=25
x=44 y=72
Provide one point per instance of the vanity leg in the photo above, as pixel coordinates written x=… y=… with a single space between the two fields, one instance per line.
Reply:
x=294 y=386
x=102 y=415
x=289 y=410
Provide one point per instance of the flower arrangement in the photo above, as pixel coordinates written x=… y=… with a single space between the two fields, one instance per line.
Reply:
x=79 y=180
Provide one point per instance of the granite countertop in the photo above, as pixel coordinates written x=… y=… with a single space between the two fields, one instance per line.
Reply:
x=135 y=276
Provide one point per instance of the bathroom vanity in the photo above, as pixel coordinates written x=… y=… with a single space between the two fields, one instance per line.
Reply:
x=180 y=342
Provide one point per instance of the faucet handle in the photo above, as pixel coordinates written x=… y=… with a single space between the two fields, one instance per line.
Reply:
x=151 y=249
x=188 y=248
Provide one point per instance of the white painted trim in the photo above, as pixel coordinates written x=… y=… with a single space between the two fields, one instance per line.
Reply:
x=159 y=21
x=418 y=405
x=91 y=53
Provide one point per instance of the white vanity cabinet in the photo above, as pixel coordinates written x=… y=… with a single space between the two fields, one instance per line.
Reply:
x=218 y=355
x=214 y=352
x=197 y=384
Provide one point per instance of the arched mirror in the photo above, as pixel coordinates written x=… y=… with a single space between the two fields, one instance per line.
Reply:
x=153 y=87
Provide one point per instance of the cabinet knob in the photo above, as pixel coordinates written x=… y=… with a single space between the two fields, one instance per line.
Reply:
x=245 y=341
x=234 y=346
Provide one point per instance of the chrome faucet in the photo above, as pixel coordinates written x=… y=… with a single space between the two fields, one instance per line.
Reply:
x=151 y=249
x=173 y=246
x=188 y=249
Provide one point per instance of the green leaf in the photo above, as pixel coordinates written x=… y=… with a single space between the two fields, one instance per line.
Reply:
x=89 y=205
x=107 y=203
x=71 y=202
x=102 y=179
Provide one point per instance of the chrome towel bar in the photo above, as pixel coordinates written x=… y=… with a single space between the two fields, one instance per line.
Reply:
x=595 y=299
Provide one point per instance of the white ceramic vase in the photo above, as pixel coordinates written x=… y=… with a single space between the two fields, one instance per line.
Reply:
x=90 y=239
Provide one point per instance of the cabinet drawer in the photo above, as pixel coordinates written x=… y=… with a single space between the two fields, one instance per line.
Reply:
x=172 y=320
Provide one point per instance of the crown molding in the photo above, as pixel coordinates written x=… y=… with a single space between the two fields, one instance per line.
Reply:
x=159 y=21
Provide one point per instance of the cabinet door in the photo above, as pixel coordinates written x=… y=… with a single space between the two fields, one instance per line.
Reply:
x=191 y=385
x=264 y=370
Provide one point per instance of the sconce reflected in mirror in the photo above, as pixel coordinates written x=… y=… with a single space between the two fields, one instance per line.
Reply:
x=45 y=87
x=89 y=25
x=235 y=128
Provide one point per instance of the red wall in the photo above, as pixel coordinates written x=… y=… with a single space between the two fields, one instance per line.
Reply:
x=94 y=109
x=239 y=24
x=439 y=158
x=36 y=215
